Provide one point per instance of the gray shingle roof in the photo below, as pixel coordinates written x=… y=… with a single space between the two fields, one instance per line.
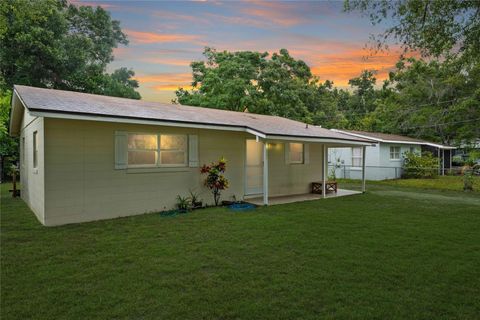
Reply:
x=59 y=101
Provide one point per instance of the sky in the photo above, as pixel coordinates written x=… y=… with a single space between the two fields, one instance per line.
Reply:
x=165 y=36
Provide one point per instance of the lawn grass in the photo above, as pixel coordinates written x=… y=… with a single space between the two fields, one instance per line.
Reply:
x=392 y=253
x=452 y=183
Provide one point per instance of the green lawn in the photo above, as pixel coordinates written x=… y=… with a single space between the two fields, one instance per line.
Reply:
x=453 y=183
x=393 y=253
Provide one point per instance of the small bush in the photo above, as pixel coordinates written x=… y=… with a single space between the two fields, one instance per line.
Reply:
x=420 y=166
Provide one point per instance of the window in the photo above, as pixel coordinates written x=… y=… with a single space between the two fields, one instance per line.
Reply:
x=357 y=157
x=296 y=152
x=412 y=149
x=35 y=149
x=150 y=150
x=394 y=153
x=22 y=151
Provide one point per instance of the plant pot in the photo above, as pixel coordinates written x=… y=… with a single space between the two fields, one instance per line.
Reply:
x=197 y=204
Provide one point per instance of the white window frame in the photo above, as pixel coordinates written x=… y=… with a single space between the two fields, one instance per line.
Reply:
x=357 y=157
x=302 y=161
x=393 y=153
x=35 y=149
x=158 y=151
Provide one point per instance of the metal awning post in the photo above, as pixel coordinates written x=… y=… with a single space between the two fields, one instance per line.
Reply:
x=265 y=173
x=438 y=156
x=364 y=148
x=443 y=162
x=324 y=171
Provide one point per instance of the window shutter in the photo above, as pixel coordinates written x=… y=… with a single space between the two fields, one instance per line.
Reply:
x=306 y=153
x=193 y=150
x=121 y=154
x=287 y=153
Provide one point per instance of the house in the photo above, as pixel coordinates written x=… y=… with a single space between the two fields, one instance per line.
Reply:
x=87 y=157
x=384 y=160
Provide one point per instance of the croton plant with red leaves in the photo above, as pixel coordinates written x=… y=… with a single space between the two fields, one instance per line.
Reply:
x=215 y=179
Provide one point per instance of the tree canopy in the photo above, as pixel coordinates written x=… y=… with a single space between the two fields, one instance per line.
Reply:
x=260 y=83
x=53 y=44
x=435 y=28
x=434 y=100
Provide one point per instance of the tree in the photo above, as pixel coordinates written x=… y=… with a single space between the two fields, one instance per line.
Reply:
x=53 y=44
x=433 y=100
x=246 y=80
x=435 y=28
x=8 y=145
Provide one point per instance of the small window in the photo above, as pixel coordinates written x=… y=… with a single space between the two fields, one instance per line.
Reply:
x=142 y=149
x=296 y=152
x=394 y=153
x=35 y=149
x=412 y=149
x=357 y=157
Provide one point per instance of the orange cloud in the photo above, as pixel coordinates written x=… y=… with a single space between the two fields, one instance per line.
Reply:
x=166 y=81
x=167 y=61
x=278 y=13
x=150 y=37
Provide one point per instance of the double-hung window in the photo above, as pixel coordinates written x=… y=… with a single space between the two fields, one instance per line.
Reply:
x=296 y=152
x=357 y=157
x=151 y=150
x=394 y=153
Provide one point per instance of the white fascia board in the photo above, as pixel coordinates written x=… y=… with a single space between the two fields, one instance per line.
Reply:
x=395 y=141
x=320 y=140
x=147 y=122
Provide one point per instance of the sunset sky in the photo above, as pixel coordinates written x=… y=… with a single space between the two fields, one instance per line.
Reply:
x=166 y=36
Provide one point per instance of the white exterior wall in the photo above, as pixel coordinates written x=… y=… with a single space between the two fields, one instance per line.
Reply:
x=32 y=179
x=378 y=162
x=81 y=183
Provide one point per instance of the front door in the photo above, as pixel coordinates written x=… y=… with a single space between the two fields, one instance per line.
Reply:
x=254 y=168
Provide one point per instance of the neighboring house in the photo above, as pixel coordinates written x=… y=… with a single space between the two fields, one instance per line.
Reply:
x=385 y=159
x=87 y=157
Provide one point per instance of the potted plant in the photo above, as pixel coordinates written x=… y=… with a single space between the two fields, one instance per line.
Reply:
x=182 y=204
x=194 y=200
x=215 y=179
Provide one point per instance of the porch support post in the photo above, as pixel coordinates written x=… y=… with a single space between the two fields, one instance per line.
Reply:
x=443 y=162
x=265 y=173
x=439 y=164
x=364 y=149
x=324 y=171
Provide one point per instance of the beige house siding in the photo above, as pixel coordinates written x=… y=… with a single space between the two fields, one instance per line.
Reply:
x=32 y=179
x=83 y=185
x=285 y=179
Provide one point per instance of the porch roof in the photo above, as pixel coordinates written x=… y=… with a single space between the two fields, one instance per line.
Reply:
x=75 y=105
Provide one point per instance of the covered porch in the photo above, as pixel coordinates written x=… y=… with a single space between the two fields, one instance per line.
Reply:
x=277 y=176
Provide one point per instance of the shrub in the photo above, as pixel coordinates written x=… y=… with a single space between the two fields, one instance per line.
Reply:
x=215 y=179
x=420 y=166
x=182 y=203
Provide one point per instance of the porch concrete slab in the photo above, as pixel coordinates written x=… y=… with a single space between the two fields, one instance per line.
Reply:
x=300 y=197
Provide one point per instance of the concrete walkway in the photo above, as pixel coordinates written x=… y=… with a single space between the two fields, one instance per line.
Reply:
x=300 y=197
